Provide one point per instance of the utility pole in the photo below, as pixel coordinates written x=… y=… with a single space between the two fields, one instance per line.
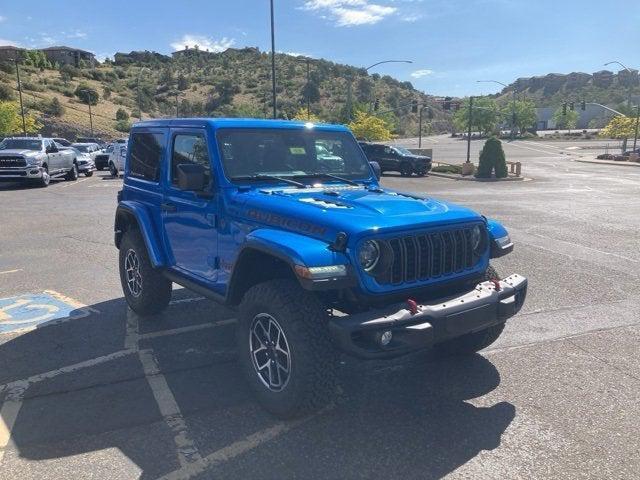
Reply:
x=308 y=92
x=24 y=124
x=273 y=65
x=349 y=108
x=635 y=137
x=513 y=116
x=469 y=130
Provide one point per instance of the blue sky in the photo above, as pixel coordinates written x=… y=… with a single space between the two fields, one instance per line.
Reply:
x=451 y=43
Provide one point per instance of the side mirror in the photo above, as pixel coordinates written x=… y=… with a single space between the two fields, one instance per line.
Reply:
x=51 y=149
x=376 y=169
x=191 y=177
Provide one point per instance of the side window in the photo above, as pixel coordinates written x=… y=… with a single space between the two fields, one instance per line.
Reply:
x=146 y=153
x=190 y=148
x=387 y=150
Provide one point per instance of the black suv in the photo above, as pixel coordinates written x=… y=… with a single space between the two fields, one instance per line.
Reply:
x=396 y=159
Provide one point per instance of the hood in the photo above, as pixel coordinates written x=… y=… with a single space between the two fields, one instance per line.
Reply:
x=355 y=210
x=16 y=151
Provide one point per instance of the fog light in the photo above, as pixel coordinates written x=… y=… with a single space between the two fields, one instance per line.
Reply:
x=385 y=338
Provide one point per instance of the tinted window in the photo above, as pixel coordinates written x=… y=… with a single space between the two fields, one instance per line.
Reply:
x=146 y=152
x=20 y=144
x=190 y=148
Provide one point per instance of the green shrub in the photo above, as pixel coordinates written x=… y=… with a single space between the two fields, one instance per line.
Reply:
x=122 y=115
x=87 y=94
x=54 y=108
x=123 y=126
x=492 y=159
x=447 y=169
x=31 y=86
x=6 y=92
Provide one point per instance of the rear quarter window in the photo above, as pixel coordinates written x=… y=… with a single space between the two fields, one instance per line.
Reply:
x=146 y=155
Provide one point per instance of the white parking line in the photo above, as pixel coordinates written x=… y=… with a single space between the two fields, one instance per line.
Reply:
x=74 y=183
x=11 y=271
x=190 y=328
x=186 y=449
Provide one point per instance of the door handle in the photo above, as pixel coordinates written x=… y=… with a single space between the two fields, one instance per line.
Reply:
x=168 y=207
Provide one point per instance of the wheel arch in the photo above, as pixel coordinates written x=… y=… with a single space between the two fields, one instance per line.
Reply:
x=131 y=215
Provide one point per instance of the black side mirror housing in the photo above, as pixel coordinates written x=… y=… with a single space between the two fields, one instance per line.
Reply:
x=376 y=169
x=191 y=177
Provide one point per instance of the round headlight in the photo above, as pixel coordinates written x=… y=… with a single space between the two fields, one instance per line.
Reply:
x=369 y=255
x=476 y=239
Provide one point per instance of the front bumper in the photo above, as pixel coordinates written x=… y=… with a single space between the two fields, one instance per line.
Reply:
x=87 y=167
x=432 y=323
x=21 y=173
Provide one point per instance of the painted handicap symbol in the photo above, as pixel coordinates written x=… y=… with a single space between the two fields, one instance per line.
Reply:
x=30 y=311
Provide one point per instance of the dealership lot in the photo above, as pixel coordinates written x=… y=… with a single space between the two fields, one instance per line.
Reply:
x=89 y=389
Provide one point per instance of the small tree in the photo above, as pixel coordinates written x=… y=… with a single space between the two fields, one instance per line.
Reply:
x=619 y=127
x=87 y=94
x=123 y=126
x=106 y=92
x=565 y=121
x=183 y=82
x=6 y=92
x=54 y=108
x=485 y=116
x=11 y=120
x=492 y=158
x=122 y=115
x=525 y=114
x=301 y=115
x=369 y=127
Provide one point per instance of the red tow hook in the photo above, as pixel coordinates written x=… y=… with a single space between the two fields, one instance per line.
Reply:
x=496 y=284
x=412 y=306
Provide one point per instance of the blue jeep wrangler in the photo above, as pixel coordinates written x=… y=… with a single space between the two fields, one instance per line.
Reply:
x=286 y=222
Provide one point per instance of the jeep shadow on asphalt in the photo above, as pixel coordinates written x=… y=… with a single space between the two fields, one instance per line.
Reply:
x=409 y=418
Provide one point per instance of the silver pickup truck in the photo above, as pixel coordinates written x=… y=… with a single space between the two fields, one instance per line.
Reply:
x=35 y=160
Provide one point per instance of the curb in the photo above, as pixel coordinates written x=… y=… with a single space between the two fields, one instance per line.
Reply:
x=471 y=178
x=609 y=162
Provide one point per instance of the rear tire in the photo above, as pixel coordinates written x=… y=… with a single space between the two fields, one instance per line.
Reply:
x=146 y=290
x=304 y=379
x=472 y=343
x=72 y=175
x=113 y=170
x=88 y=174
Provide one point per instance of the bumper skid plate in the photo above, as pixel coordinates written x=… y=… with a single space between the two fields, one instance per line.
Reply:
x=487 y=304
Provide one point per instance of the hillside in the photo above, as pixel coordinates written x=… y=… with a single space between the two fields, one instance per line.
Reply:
x=236 y=82
x=605 y=87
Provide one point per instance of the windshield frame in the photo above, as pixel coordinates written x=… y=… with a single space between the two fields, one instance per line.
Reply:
x=260 y=177
x=405 y=152
x=40 y=141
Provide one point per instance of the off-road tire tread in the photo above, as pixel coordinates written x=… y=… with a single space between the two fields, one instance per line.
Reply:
x=305 y=323
x=156 y=289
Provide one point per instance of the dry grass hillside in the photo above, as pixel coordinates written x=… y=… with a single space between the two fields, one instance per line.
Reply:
x=233 y=83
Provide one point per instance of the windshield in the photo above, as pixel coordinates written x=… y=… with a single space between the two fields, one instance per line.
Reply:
x=82 y=148
x=20 y=144
x=290 y=153
x=402 y=151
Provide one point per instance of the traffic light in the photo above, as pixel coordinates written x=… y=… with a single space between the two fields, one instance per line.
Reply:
x=446 y=105
x=376 y=104
x=414 y=106
x=572 y=106
x=583 y=105
x=564 y=108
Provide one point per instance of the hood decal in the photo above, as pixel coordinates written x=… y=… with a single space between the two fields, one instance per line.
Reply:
x=287 y=222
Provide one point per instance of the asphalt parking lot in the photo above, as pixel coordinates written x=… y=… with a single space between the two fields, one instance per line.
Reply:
x=89 y=390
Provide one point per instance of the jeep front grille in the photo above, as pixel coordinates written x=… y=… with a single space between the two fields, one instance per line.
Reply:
x=12 y=162
x=429 y=255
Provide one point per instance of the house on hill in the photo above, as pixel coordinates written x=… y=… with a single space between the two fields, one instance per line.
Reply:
x=67 y=55
x=10 y=52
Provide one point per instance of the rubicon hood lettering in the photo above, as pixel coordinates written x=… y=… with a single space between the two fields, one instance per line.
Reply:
x=286 y=222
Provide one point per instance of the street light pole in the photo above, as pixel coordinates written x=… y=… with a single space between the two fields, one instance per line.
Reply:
x=635 y=136
x=273 y=64
x=138 y=92
x=24 y=123
x=469 y=130
x=628 y=70
x=375 y=65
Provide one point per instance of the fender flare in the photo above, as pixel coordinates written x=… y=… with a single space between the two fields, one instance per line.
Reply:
x=146 y=227
x=496 y=231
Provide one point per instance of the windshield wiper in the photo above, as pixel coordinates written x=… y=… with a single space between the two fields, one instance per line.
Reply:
x=261 y=176
x=327 y=175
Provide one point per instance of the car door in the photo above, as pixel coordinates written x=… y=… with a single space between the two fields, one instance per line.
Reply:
x=190 y=218
x=386 y=156
x=53 y=157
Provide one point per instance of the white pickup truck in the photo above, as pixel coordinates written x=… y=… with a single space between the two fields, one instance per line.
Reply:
x=35 y=160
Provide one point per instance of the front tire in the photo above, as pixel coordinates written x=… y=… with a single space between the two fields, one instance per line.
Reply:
x=472 y=343
x=406 y=170
x=285 y=348
x=44 y=181
x=88 y=174
x=146 y=290
x=113 y=170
